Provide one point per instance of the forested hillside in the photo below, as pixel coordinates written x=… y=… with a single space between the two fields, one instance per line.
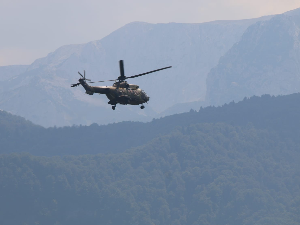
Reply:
x=199 y=174
x=13 y=126
x=280 y=114
x=235 y=164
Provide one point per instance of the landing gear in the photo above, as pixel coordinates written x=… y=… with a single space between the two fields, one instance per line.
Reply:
x=113 y=107
x=142 y=107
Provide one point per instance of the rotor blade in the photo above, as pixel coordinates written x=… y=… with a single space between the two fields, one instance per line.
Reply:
x=101 y=81
x=149 y=72
x=74 y=85
x=80 y=73
x=121 y=64
x=83 y=75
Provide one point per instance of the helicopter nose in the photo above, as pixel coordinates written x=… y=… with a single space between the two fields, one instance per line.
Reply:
x=147 y=98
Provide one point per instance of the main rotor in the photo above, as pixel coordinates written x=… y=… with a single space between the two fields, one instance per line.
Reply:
x=121 y=78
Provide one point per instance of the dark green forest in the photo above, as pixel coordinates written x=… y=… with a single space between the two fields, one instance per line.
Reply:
x=230 y=165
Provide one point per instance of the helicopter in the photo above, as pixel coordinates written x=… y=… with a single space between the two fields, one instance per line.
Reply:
x=120 y=92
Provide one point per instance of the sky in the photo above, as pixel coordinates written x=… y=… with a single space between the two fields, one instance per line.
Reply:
x=33 y=28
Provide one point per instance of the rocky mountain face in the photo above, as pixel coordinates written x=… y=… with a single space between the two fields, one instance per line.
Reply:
x=42 y=92
x=265 y=61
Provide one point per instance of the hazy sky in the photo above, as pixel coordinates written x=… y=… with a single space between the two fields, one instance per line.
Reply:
x=31 y=29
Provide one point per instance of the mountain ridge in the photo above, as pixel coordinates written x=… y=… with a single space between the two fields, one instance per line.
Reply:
x=264 y=61
x=192 y=49
x=278 y=114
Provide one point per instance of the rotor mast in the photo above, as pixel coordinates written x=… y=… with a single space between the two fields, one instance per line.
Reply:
x=122 y=74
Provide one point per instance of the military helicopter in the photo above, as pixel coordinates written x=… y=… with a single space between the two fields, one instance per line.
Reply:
x=121 y=92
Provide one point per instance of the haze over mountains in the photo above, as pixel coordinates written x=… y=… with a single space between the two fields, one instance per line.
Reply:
x=8 y=72
x=42 y=93
x=213 y=63
x=232 y=164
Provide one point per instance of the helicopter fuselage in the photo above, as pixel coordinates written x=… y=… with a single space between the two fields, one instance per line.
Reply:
x=122 y=93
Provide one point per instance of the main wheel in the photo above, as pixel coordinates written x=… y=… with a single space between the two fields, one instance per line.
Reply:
x=113 y=107
x=142 y=107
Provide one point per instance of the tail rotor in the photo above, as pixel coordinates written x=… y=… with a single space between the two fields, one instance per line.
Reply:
x=83 y=79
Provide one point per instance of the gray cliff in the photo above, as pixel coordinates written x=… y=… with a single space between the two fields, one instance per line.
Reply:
x=265 y=61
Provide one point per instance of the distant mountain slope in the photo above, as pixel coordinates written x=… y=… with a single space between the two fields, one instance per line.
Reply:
x=8 y=72
x=278 y=114
x=43 y=94
x=265 y=61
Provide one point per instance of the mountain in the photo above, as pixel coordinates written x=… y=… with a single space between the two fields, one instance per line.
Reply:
x=43 y=95
x=277 y=114
x=8 y=72
x=264 y=61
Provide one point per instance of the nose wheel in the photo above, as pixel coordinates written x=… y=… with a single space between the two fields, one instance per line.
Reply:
x=142 y=107
x=113 y=107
